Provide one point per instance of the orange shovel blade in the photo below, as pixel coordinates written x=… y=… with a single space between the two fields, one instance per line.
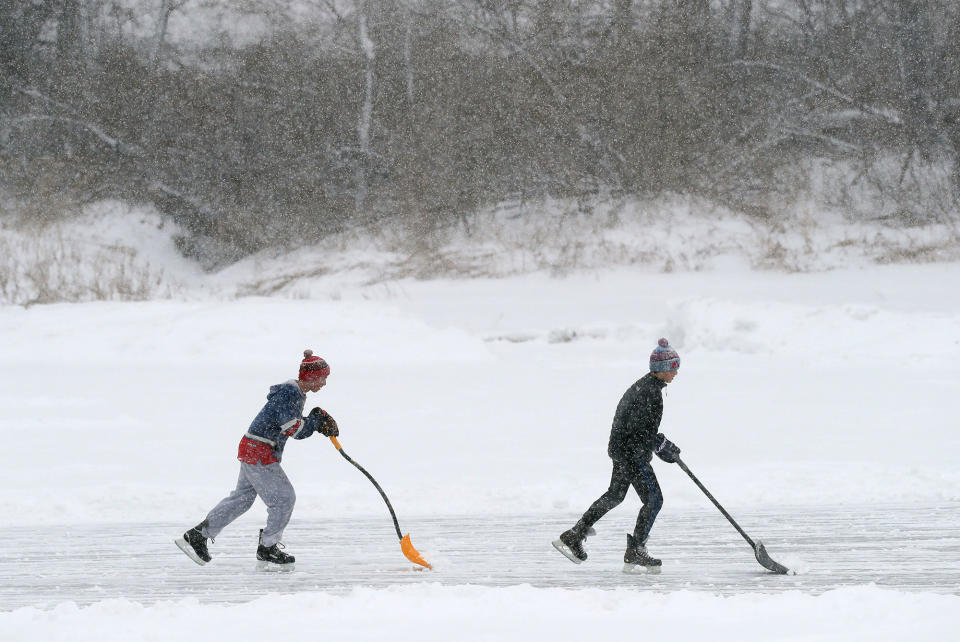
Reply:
x=411 y=553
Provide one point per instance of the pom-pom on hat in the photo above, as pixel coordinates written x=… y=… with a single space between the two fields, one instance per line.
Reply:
x=313 y=367
x=664 y=358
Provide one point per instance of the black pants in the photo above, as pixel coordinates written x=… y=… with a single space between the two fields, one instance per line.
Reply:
x=638 y=474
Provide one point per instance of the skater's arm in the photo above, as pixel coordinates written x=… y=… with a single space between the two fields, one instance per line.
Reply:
x=648 y=412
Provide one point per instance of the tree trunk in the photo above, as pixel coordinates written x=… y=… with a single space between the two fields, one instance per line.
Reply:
x=408 y=54
x=622 y=21
x=742 y=11
x=916 y=74
x=365 y=119
x=20 y=26
x=70 y=33
x=693 y=8
x=162 y=25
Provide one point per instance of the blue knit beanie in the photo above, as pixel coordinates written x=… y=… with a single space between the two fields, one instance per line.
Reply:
x=664 y=358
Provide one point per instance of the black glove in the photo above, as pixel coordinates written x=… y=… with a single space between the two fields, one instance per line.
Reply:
x=666 y=449
x=328 y=426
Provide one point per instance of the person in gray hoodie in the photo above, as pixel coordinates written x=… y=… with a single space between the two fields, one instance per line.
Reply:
x=260 y=452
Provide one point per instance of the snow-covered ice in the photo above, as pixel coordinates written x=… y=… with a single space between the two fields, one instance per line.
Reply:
x=819 y=408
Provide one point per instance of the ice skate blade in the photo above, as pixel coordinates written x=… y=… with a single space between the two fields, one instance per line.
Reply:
x=184 y=546
x=639 y=569
x=565 y=551
x=270 y=567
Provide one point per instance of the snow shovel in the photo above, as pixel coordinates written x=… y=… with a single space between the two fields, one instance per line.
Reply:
x=758 y=548
x=405 y=544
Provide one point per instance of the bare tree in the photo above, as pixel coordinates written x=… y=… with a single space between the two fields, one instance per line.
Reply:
x=697 y=9
x=70 y=28
x=741 y=14
x=21 y=24
x=622 y=20
x=917 y=73
x=365 y=118
x=167 y=7
x=408 y=52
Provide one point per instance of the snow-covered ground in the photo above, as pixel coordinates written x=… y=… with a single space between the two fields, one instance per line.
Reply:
x=488 y=399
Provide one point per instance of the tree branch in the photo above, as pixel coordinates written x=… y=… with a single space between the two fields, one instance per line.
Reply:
x=890 y=116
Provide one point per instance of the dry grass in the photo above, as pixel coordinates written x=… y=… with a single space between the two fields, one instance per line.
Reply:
x=52 y=270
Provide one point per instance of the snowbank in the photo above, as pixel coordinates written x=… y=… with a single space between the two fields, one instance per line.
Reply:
x=118 y=251
x=109 y=251
x=433 y=612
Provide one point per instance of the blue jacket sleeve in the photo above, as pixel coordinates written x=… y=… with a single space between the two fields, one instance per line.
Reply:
x=311 y=424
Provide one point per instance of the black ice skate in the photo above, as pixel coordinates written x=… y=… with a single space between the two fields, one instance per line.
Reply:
x=194 y=544
x=271 y=558
x=637 y=560
x=570 y=545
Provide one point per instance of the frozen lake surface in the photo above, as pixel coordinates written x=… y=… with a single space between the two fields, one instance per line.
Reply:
x=901 y=547
x=484 y=409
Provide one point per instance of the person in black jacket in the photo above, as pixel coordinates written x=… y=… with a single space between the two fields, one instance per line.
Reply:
x=633 y=440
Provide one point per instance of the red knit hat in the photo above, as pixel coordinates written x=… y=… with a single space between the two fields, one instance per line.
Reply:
x=313 y=368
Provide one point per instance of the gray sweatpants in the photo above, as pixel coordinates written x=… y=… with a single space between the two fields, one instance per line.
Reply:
x=273 y=487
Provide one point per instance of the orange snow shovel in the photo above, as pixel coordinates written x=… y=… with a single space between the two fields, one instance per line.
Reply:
x=405 y=544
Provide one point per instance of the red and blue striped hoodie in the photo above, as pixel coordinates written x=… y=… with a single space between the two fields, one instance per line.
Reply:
x=280 y=419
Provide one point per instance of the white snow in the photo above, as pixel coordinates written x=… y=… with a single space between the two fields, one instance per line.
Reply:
x=434 y=612
x=487 y=396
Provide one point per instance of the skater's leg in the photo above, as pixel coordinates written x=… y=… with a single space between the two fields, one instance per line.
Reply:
x=570 y=543
x=230 y=507
x=619 y=484
x=646 y=484
x=277 y=493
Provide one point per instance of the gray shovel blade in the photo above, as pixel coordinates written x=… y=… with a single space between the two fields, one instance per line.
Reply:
x=766 y=562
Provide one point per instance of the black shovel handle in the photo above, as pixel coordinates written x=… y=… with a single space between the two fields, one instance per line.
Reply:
x=716 y=503
x=758 y=548
x=373 y=481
